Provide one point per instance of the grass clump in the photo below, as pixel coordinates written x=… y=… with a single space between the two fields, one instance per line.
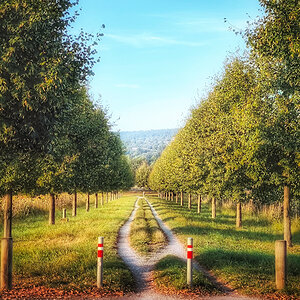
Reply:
x=145 y=234
x=245 y=257
x=64 y=255
x=170 y=276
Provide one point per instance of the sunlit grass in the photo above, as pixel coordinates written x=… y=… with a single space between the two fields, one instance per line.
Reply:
x=145 y=234
x=170 y=276
x=65 y=255
x=242 y=257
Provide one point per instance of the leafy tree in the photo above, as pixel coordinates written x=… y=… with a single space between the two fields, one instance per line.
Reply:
x=142 y=174
x=274 y=39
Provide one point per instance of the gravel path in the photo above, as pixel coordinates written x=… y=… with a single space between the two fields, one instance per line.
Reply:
x=141 y=267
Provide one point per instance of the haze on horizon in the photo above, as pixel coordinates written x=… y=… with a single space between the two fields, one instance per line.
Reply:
x=157 y=57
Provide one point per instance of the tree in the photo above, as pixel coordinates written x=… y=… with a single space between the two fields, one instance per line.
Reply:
x=41 y=67
x=274 y=40
x=142 y=174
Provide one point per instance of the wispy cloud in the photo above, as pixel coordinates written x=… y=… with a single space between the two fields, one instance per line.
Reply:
x=144 y=40
x=128 y=86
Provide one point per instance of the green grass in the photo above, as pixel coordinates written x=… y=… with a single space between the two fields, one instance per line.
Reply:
x=65 y=255
x=145 y=234
x=170 y=276
x=242 y=257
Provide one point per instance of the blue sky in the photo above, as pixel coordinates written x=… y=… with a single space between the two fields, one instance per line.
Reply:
x=158 y=56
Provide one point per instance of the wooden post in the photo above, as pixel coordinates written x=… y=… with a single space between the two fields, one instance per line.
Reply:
x=280 y=264
x=74 y=206
x=286 y=216
x=189 y=275
x=181 y=198
x=199 y=204
x=96 y=200
x=7 y=245
x=190 y=201
x=100 y=262
x=238 y=215
x=64 y=213
x=87 y=204
x=52 y=210
x=213 y=207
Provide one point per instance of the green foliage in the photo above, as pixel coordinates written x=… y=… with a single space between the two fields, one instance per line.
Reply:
x=142 y=174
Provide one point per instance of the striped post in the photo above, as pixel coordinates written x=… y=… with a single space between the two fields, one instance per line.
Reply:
x=189 y=274
x=100 y=262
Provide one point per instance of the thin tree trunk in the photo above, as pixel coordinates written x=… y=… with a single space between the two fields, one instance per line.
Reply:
x=87 y=204
x=96 y=200
x=176 y=197
x=199 y=204
x=52 y=210
x=102 y=199
x=106 y=197
x=190 y=201
x=110 y=196
x=238 y=215
x=7 y=245
x=7 y=215
x=172 y=196
x=213 y=208
x=181 y=198
x=286 y=216
x=74 y=206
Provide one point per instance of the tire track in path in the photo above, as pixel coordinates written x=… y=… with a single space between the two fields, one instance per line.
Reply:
x=141 y=267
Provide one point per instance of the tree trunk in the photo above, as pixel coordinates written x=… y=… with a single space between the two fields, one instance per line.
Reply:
x=7 y=245
x=106 y=197
x=199 y=204
x=87 y=204
x=52 y=210
x=110 y=196
x=102 y=199
x=286 y=216
x=190 y=201
x=172 y=196
x=74 y=206
x=213 y=208
x=7 y=215
x=238 y=215
x=181 y=198
x=176 y=197
x=96 y=200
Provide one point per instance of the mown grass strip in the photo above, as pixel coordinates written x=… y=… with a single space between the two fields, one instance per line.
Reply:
x=145 y=234
x=244 y=257
x=65 y=255
x=170 y=276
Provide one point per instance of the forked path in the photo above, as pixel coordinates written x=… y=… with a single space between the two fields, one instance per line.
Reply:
x=141 y=267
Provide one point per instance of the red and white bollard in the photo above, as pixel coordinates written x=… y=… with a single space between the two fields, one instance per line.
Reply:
x=100 y=262
x=189 y=275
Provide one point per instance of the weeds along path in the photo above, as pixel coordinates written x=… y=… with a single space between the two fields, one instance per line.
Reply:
x=141 y=267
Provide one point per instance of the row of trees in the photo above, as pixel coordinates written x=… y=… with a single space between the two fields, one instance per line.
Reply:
x=52 y=138
x=242 y=141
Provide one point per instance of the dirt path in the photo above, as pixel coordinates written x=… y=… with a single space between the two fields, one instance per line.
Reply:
x=141 y=267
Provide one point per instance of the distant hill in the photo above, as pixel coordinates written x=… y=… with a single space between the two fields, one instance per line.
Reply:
x=147 y=144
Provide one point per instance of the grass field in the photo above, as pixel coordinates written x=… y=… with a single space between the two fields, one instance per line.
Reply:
x=170 y=276
x=243 y=258
x=64 y=255
x=145 y=234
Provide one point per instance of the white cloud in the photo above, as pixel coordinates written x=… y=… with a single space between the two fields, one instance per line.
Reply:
x=129 y=86
x=143 y=40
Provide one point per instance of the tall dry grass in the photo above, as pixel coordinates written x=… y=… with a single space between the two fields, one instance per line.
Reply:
x=24 y=205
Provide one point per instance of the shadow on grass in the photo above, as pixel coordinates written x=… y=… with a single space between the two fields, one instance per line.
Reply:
x=227 y=233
